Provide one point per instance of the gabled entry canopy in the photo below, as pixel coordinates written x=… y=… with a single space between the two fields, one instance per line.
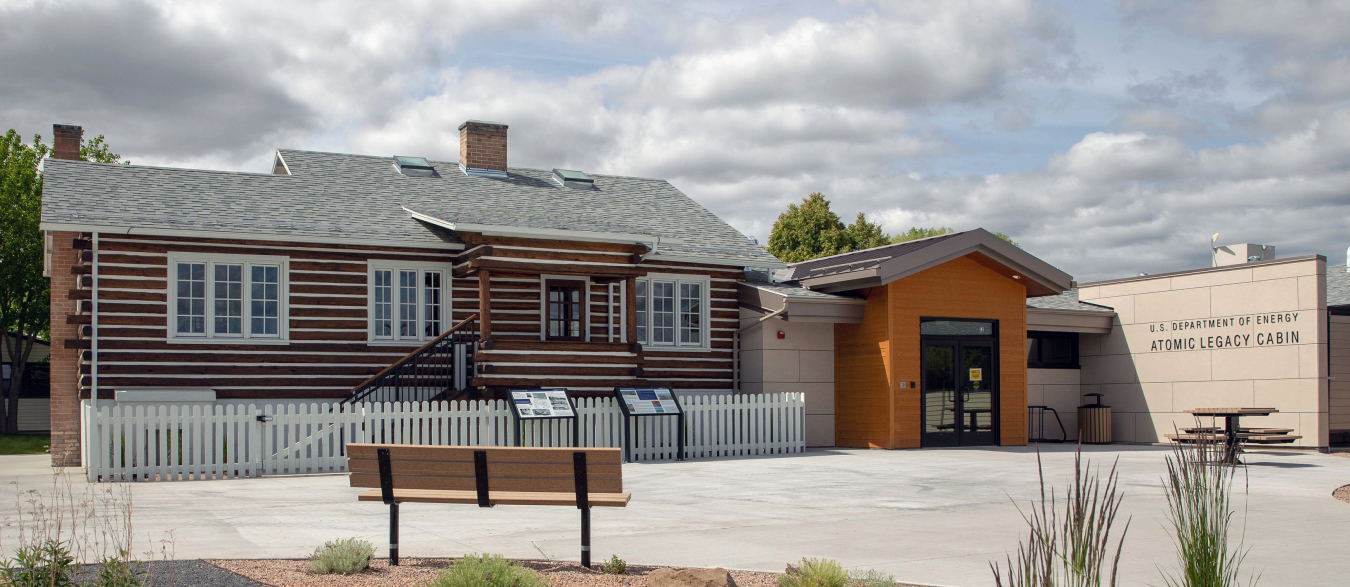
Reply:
x=882 y=265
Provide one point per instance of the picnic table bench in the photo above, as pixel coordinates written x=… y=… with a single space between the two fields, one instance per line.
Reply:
x=488 y=476
x=1232 y=435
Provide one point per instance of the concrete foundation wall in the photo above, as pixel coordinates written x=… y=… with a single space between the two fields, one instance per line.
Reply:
x=1241 y=336
x=800 y=362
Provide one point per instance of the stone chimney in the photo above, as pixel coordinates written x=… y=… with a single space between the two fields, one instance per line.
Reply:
x=482 y=148
x=66 y=141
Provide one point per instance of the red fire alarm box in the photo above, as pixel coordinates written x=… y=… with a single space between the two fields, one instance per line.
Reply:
x=782 y=334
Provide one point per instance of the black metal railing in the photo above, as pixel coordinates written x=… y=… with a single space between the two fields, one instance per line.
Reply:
x=442 y=369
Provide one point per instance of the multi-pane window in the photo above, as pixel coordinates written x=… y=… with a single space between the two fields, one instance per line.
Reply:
x=672 y=311
x=565 y=309
x=431 y=296
x=408 y=302
x=191 y=299
x=229 y=281
x=382 y=304
x=641 y=307
x=230 y=296
x=691 y=313
x=663 y=312
x=266 y=300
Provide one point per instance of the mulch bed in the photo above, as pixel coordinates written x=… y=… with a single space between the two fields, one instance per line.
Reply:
x=412 y=572
x=1342 y=493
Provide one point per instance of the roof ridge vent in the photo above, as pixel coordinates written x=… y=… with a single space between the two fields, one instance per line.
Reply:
x=573 y=179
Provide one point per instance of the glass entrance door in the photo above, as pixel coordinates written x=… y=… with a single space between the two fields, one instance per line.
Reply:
x=960 y=392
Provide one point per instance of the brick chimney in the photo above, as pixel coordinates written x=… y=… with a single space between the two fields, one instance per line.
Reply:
x=482 y=148
x=66 y=141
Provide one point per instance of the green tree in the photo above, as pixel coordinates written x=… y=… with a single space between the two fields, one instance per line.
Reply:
x=811 y=230
x=807 y=231
x=1007 y=238
x=865 y=235
x=25 y=299
x=916 y=233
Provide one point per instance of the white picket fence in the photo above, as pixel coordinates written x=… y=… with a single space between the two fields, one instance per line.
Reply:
x=179 y=443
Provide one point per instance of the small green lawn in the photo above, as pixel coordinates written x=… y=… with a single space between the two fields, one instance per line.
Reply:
x=24 y=444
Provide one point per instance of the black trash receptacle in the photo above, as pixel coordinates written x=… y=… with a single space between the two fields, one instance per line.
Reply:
x=1094 y=421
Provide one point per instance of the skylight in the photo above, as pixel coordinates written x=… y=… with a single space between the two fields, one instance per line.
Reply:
x=572 y=179
x=414 y=166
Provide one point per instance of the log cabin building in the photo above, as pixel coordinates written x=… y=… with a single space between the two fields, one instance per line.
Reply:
x=305 y=282
x=326 y=278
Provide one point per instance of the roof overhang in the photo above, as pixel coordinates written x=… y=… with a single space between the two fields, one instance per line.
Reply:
x=655 y=241
x=1039 y=277
x=234 y=234
x=813 y=308
x=1051 y=320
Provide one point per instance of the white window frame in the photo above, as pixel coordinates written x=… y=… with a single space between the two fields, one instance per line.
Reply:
x=421 y=267
x=248 y=261
x=705 y=291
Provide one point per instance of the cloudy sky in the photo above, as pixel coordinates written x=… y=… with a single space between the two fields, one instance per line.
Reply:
x=1109 y=138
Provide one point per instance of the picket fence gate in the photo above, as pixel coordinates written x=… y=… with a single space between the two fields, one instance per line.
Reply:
x=179 y=443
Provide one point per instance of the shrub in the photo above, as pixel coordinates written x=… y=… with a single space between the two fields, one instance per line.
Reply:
x=487 y=570
x=120 y=571
x=614 y=565
x=815 y=572
x=45 y=564
x=344 y=557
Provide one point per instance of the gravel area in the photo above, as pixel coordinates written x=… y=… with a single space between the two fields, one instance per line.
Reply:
x=1342 y=493
x=413 y=572
x=184 y=573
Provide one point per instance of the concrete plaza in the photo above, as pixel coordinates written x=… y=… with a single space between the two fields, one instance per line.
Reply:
x=933 y=516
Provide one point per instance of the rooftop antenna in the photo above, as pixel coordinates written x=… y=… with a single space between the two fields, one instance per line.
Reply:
x=1214 y=250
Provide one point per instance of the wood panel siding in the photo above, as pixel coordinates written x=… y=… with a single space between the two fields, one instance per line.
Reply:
x=960 y=288
x=871 y=358
x=862 y=387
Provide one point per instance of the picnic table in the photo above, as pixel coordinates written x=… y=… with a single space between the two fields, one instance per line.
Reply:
x=1233 y=434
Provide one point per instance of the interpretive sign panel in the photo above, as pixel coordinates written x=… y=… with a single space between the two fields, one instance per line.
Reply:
x=639 y=402
x=542 y=403
x=642 y=401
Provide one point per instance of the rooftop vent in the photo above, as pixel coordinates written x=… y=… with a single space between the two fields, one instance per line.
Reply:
x=573 y=179
x=414 y=166
x=1242 y=253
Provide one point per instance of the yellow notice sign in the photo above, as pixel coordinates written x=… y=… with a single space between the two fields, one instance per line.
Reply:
x=977 y=374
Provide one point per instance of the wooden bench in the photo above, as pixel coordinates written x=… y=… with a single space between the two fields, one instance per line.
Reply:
x=488 y=476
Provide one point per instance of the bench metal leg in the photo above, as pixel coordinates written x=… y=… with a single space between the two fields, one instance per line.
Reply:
x=586 y=537
x=393 y=534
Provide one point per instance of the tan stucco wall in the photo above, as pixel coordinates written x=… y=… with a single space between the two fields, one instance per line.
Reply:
x=1060 y=389
x=801 y=362
x=1149 y=384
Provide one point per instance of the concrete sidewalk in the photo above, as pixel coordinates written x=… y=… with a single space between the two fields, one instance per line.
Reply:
x=933 y=516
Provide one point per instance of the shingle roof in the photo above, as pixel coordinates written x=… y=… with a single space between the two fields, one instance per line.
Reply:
x=1065 y=301
x=795 y=291
x=1338 y=286
x=858 y=260
x=358 y=197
